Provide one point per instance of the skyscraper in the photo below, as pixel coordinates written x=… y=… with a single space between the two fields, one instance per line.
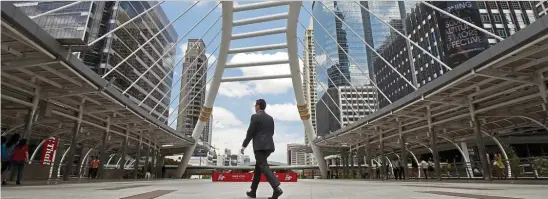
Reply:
x=193 y=90
x=542 y=7
x=339 y=51
x=309 y=83
x=424 y=26
x=84 y=22
x=309 y=75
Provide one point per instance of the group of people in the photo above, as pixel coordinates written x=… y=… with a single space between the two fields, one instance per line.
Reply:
x=15 y=155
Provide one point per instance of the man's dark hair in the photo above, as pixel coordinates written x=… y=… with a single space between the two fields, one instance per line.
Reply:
x=261 y=103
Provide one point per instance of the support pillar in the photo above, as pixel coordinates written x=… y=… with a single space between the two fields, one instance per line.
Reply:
x=123 y=155
x=359 y=158
x=72 y=150
x=433 y=144
x=138 y=155
x=147 y=156
x=351 y=163
x=403 y=147
x=102 y=151
x=31 y=114
x=153 y=163
x=479 y=141
x=383 y=158
x=368 y=159
x=84 y=156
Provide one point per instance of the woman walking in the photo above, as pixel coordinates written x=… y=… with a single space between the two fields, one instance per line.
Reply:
x=7 y=153
x=20 y=158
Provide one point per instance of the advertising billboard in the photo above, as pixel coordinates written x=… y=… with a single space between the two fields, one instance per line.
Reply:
x=461 y=41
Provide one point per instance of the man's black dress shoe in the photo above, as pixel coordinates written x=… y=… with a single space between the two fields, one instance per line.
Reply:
x=277 y=193
x=251 y=194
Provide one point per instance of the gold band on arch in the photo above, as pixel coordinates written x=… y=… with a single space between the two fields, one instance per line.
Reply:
x=303 y=112
x=205 y=114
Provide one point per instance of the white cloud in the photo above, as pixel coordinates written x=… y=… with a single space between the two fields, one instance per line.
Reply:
x=274 y=86
x=281 y=112
x=230 y=132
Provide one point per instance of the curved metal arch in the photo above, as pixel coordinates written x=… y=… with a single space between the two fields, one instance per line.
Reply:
x=416 y=160
x=464 y=156
x=226 y=37
x=61 y=162
x=424 y=145
x=84 y=160
x=110 y=158
x=503 y=151
x=293 y=57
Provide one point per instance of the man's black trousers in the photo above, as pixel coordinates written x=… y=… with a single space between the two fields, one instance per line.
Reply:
x=261 y=167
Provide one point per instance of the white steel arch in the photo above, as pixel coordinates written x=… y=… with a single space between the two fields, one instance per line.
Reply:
x=293 y=59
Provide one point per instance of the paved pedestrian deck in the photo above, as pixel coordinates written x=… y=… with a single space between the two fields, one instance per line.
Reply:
x=309 y=189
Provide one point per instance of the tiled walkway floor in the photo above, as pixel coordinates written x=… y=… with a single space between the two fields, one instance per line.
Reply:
x=309 y=189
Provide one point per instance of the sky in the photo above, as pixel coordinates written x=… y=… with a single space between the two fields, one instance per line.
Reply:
x=234 y=103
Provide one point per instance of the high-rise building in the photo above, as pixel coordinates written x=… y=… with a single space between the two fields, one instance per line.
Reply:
x=294 y=154
x=344 y=106
x=542 y=7
x=344 y=59
x=426 y=27
x=193 y=90
x=84 y=22
x=309 y=76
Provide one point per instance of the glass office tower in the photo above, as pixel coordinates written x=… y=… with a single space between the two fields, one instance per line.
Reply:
x=84 y=22
x=349 y=53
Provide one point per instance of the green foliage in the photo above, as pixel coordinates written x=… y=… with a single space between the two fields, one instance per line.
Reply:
x=541 y=165
x=206 y=177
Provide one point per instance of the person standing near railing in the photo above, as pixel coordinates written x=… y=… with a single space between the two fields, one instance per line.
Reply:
x=20 y=158
x=424 y=168
x=499 y=166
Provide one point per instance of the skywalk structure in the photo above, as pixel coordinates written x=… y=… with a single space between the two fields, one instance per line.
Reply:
x=494 y=89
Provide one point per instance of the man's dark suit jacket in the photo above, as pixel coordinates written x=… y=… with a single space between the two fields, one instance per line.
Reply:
x=261 y=130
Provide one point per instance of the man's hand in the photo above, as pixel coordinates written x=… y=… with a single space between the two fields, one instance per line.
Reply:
x=242 y=150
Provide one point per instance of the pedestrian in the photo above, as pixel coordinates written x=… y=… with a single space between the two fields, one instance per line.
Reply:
x=424 y=167
x=261 y=131
x=7 y=154
x=396 y=167
x=20 y=158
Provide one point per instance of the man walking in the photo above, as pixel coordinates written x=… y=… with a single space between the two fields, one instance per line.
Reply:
x=261 y=130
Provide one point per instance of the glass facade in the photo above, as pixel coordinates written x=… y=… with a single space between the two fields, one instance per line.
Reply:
x=348 y=55
x=87 y=21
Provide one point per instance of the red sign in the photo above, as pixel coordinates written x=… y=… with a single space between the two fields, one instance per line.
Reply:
x=248 y=177
x=49 y=148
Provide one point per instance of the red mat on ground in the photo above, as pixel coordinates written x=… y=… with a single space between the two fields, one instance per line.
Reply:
x=248 y=177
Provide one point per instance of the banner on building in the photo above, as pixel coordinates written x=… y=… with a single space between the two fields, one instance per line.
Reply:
x=48 y=149
x=248 y=177
x=461 y=41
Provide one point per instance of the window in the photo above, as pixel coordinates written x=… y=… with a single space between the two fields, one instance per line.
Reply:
x=515 y=5
x=501 y=33
x=492 y=5
x=485 y=18
x=481 y=5
x=504 y=5
x=497 y=18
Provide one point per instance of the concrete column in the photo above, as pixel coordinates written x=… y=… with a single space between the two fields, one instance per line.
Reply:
x=359 y=157
x=433 y=144
x=102 y=151
x=351 y=163
x=153 y=163
x=147 y=155
x=123 y=154
x=29 y=120
x=138 y=155
x=479 y=142
x=384 y=171
x=368 y=158
x=403 y=147
x=77 y=129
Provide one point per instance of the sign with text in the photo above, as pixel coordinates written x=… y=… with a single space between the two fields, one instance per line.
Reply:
x=248 y=177
x=461 y=41
x=48 y=149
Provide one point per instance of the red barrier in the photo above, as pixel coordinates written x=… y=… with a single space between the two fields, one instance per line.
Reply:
x=248 y=177
x=49 y=148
